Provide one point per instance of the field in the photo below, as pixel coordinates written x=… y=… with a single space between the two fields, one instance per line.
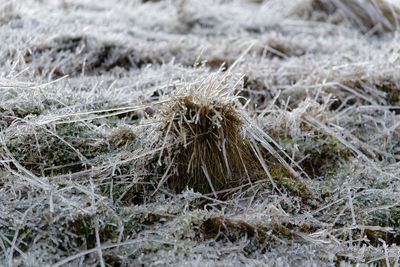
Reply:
x=199 y=133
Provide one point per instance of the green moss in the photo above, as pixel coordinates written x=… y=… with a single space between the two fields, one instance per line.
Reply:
x=395 y=216
x=83 y=231
x=286 y=181
x=233 y=230
x=9 y=114
x=324 y=154
x=112 y=260
x=122 y=136
x=43 y=152
x=143 y=220
x=386 y=218
x=123 y=190
x=395 y=148
x=25 y=236
x=66 y=147
x=259 y=239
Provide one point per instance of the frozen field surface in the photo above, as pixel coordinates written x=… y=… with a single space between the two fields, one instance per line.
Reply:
x=199 y=133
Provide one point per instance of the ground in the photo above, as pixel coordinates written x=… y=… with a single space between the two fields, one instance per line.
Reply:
x=199 y=133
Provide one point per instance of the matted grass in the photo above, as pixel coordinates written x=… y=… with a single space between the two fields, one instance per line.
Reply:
x=199 y=133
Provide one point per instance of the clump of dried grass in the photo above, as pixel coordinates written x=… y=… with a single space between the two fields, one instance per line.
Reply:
x=213 y=152
x=205 y=124
x=209 y=142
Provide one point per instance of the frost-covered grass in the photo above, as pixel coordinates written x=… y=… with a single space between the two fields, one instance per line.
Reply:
x=199 y=133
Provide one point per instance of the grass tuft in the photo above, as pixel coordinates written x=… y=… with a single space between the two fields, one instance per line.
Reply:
x=205 y=125
x=209 y=144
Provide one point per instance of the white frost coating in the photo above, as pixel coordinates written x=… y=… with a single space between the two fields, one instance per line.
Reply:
x=81 y=86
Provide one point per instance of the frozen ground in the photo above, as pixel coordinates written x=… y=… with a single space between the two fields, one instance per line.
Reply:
x=95 y=99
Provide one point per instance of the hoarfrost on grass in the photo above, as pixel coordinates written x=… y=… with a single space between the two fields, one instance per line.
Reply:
x=87 y=93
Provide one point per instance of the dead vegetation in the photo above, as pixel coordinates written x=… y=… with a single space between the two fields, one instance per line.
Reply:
x=82 y=55
x=213 y=147
x=209 y=144
x=199 y=132
x=209 y=152
x=376 y=16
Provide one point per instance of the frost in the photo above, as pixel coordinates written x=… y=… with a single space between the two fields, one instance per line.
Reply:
x=199 y=133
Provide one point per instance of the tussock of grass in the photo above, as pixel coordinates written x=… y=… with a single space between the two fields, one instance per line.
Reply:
x=213 y=148
x=209 y=143
x=205 y=126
